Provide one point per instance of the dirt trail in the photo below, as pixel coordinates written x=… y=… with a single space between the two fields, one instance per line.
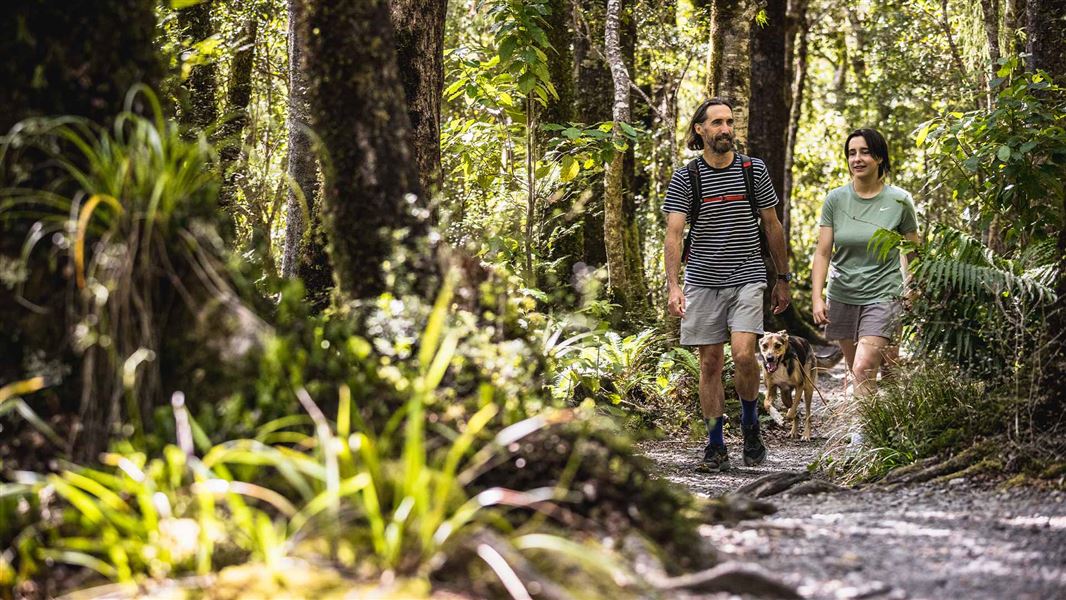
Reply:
x=960 y=541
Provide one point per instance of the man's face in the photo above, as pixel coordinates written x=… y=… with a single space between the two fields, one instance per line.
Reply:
x=717 y=129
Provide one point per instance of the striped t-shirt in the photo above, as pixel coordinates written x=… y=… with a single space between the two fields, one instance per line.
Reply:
x=725 y=246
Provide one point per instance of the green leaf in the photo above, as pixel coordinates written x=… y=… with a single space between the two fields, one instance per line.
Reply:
x=572 y=133
x=180 y=4
x=507 y=46
x=1003 y=153
x=628 y=129
x=570 y=168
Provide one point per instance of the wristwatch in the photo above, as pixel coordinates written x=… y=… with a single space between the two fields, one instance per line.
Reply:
x=786 y=277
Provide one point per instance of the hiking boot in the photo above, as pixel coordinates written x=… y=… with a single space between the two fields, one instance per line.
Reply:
x=715 y=459
x=754 y=451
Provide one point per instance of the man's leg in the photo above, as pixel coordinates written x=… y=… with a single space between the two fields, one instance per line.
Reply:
x=712 y=404
x=746 y=381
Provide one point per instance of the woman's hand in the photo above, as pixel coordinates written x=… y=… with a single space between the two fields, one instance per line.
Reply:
x=821 y=317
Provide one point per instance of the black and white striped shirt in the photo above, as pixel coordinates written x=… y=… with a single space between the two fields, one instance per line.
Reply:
x=725 y=246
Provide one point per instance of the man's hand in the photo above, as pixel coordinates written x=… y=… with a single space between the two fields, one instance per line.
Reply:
x=676 y=303
x=818 y=308
x=781 y=297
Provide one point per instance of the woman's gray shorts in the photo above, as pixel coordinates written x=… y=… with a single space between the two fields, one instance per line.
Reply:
x=712 y=313
x=852 y=321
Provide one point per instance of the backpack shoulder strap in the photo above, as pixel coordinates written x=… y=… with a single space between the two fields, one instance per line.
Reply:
x=749 y=185
x=693 y=171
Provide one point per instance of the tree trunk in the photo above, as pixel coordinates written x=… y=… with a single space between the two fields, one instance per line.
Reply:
x=371 y=194
x=199 y=108
x=1013 y=19
x=1046 y=30
x=613 y=219
x=419 y=29
x=768 y=128
x=567 y=242
x=304 y=253
x=239 y=93
x=1047 y=52
x=593 y=105
x=729 y=71
x=990 y=10
x=799 y=83
x=77 y=59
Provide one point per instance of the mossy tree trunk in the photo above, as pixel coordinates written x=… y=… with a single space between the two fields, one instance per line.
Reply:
x=371 y=194
x=729 y=61
x=304 y=254
x=592 y=105
x=62 y=58
x=563 y=222
x=199 y=106
x=231 y=134
x=625 y=275
x=1045 y=33
x=419 y=28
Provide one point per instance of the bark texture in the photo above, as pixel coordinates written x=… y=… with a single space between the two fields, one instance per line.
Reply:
x=567 y=241
x=303 y=250
x=768 y=126
x=799 y=84
x=1047 y=52
x=231 y=133
x=200 y=107
x=593 y=105
x=371 y=193
x=74 y=58
x=729 y=62
x=419 y=31
x=625 y=283
x=62 y=58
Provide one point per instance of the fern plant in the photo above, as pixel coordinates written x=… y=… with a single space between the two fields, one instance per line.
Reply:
x=977 y=307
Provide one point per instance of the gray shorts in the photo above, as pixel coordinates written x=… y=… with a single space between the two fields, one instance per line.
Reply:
x=853 y=321
x=712 y=313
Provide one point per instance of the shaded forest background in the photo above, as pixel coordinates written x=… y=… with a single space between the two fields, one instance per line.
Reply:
x=304 y=259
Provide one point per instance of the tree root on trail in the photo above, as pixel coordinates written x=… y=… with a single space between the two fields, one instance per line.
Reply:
x=732 y=577
x=736 y=507
x=939 y=470
x=773 y=483
x=814 y=486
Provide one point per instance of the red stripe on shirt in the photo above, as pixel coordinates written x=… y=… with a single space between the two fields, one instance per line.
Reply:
x=728 y=198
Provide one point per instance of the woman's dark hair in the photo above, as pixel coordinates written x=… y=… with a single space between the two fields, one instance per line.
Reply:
x=877 y=145
x=694 y=141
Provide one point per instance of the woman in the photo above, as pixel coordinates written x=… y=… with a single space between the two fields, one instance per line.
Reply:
x=864 y=291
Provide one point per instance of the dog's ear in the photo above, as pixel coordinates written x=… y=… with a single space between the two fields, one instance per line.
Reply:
x=783 y=332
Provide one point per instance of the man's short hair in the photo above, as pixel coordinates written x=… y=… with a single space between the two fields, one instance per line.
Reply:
x=694 y=141
x=877 y=145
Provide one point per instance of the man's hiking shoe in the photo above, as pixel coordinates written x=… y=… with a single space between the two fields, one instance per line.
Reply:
x=715 y=459
x=754 y=451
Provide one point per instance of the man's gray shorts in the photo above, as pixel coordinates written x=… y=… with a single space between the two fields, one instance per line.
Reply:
x=712 y=313
x=853 y=321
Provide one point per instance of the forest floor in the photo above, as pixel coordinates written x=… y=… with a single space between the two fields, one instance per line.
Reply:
x=965 y=539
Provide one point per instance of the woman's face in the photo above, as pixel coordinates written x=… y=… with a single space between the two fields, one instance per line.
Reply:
x=861 y=163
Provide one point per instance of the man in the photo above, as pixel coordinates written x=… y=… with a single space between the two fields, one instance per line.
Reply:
x=724 y=275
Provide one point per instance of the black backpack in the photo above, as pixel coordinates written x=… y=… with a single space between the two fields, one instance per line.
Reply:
x=692 y=168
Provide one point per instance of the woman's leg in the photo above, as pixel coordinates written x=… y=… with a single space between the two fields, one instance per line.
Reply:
x=869 y=353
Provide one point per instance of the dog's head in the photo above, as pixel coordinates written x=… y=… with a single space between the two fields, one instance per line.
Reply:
x=772 y=348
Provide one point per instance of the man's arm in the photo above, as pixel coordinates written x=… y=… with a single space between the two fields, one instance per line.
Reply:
x=775 y=237
x=675 y=229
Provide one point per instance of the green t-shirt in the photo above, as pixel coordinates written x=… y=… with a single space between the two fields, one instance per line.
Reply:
x=856 y=276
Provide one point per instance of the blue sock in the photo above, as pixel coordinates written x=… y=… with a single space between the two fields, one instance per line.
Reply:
x=714 y=430
x=749 y=414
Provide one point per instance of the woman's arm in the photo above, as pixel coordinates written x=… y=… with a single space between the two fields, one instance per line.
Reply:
x=819 y=272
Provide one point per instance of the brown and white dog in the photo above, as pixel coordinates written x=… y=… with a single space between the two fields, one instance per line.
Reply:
x=788 y=365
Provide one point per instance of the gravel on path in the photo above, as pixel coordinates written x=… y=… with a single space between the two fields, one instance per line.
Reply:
x=961 y=540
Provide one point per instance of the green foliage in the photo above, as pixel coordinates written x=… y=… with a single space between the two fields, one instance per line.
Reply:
x=927 y=408
x=1010 y=158
x=389 y=498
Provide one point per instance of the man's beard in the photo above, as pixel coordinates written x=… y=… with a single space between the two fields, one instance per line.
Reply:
x=722 y=143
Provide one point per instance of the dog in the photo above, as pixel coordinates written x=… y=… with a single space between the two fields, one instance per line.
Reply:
x=788 y=366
